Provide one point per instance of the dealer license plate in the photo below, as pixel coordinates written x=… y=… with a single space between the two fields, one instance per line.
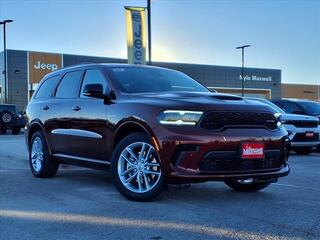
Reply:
x=252 y=150
x=309 y=134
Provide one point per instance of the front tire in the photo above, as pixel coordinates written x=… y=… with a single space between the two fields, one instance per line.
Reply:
x=248 y=185
x=42 y=164
x=136 y=170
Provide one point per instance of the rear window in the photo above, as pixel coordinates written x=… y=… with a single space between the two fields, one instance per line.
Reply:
x=69 y=85
x=46 y=88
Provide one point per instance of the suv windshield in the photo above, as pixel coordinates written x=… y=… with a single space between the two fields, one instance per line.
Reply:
x=144 y=79
x=312 y=108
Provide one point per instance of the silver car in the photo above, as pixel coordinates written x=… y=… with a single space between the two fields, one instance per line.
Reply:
x=304 y=131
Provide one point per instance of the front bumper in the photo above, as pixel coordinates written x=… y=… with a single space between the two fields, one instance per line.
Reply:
x=180 y=178
x=182 y=151
x=305 y=144
x=298 y=139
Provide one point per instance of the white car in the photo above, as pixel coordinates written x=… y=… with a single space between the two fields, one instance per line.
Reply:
x=304 y=131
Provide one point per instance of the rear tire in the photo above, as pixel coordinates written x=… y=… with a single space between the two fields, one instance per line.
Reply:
x=303 y=151
x=6 y=117
x=241 y=186
x=3 y=130
x=42 y=164
x=137 y=176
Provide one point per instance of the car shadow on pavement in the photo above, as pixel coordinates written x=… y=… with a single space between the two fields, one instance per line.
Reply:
x=200 y=192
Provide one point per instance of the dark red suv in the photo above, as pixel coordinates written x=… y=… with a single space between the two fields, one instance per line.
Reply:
x=151 y=127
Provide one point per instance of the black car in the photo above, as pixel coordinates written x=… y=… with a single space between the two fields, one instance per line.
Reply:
x=302 y=107
x=10 y=119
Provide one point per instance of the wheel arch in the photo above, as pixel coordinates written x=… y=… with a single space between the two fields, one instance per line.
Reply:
x=130 y=127
x=34 y=127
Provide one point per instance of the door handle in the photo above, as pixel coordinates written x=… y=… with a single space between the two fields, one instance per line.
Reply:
x=76 y=108
x=45 y=108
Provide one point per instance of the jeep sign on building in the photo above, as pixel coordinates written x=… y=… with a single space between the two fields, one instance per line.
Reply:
x=26 y=69
x=40 y=64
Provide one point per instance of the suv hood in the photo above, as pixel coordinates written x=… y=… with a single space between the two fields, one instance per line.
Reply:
x=200 y=101
x=298 y=117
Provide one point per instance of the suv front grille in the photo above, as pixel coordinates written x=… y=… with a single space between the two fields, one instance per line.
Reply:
x=301 y=137
x=229 y=162
x=302 y=123
x=218 y=120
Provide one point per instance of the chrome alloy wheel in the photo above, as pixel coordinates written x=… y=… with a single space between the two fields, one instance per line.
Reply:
x=138 y=168
x=6 y=118
x=37 y=154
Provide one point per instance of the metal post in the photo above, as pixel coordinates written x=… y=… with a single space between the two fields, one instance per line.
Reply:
x=242 y=69
x=242 y=74
x=319 y=91
x=5 y=59
x=149 y=31
x=5 y=64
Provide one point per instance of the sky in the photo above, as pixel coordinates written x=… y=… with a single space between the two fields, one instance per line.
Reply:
x=284 y=34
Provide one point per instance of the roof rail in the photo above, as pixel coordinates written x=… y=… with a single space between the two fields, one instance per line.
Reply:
x=76 y=64
x=81 y=63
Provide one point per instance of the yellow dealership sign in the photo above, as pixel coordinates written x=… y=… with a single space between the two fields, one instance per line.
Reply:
x=136 y=34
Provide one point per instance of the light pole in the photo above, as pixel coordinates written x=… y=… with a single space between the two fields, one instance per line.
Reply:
x=149 y=30
x=319 y=91
x=5 y=58
x=242 y=74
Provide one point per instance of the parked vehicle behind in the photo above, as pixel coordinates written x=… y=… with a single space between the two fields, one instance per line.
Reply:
x=152 y=126
x=10 y=119
x=297 y=106
x=303 y=130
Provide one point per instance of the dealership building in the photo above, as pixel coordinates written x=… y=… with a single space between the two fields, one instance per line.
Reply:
x=26 y=68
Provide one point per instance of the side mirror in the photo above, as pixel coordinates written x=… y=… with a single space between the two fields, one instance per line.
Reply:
x=93 y=90
x=96 y=91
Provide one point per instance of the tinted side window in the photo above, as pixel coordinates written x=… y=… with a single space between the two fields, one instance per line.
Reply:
x=291 y=107
x=46 y=88
x=93 y=76
x=68 y=87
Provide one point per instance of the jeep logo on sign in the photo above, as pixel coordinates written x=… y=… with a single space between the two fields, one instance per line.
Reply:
x=46 y=66
x=40 y=64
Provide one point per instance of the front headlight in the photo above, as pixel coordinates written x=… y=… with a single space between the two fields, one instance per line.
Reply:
x=180 y=118
x=278 y=119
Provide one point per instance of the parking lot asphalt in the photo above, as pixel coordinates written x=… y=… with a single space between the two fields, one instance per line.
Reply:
x=83 y=204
